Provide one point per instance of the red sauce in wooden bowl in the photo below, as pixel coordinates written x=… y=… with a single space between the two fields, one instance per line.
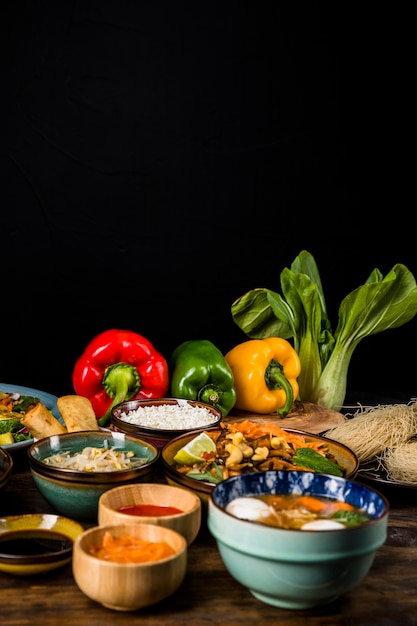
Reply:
x=149 y=510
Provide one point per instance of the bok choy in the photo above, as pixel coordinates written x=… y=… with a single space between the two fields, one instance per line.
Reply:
x=299 y=314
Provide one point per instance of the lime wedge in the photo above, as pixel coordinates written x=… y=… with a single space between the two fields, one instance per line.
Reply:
x=191 y=453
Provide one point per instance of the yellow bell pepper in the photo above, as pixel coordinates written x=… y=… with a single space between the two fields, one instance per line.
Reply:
x=265 y=375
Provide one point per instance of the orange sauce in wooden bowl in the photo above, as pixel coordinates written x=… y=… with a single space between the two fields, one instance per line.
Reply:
x=128 y=549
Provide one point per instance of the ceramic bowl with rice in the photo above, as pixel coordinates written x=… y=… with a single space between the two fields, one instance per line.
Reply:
x=163 y=419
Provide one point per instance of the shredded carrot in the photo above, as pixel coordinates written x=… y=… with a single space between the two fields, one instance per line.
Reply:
x=343 y=506
x=128 y=549
x=315 y=505
x=312 y=504
x=7 y=403
x=254 y=430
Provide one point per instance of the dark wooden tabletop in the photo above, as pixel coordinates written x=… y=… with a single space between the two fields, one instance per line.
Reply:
x=209 y=595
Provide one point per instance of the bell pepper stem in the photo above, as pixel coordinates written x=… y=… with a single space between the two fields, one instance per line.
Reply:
x=276 y=379
x=209 y=395
x=121 y=382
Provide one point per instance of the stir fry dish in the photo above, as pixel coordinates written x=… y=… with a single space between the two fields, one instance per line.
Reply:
x=245 y=447
x=13 y=406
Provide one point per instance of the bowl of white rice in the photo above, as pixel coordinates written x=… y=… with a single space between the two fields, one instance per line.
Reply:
x=162 y=419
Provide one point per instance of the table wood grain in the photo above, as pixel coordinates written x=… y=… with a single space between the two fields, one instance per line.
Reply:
x=208 y=595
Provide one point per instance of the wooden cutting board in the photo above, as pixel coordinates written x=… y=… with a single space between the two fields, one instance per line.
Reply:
x=303 y=416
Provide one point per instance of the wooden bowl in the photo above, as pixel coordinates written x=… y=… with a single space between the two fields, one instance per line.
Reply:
x=129 y=586
x=187 y=521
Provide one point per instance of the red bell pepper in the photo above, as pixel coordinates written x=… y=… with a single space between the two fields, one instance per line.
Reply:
x=119 y=365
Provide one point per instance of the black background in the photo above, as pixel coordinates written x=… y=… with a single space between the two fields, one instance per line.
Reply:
x=159 y=159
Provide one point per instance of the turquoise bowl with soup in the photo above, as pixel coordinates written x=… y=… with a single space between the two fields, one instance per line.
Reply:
x=89 y=463
x=300 y=567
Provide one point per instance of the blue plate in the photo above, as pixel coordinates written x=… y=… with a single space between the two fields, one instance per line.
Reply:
x=46 y=398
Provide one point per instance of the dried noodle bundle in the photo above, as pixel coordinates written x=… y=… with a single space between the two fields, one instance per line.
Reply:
x=400 y=462
x=374 y=429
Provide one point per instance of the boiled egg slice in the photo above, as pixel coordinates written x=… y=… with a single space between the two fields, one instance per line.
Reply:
x=250 y=509
x=322 y=524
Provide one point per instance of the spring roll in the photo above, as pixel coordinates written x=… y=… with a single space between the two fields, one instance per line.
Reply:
x=41 y=423
x=77 y=413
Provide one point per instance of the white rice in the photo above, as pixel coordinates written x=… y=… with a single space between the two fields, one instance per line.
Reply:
x=181 y=416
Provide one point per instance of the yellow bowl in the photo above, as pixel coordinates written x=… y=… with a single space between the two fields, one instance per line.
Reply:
x=187 y=522
x=35 y=543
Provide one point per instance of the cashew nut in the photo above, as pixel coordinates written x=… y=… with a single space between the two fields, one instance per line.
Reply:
x=278 y=443
x=235 y=454
x=261 y=454
x=239 y=441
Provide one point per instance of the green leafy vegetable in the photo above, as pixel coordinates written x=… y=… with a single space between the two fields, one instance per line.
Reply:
x=24 y=402
x=316 y=461
x=9 y=425
x=207 y=475
x=350 y=518
x=300 y=314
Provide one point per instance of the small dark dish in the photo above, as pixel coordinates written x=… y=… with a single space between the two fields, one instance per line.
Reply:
x=35 y=543
x=160 y=436
x=75 y=493
x=6 y=467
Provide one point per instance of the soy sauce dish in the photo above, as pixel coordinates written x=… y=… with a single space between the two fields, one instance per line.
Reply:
x=36 y=543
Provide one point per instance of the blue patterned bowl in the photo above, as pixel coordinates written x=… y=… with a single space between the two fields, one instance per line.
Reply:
x=297 y=569
x=75 y=493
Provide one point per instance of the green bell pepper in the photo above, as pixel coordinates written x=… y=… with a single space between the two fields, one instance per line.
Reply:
x=199 y=371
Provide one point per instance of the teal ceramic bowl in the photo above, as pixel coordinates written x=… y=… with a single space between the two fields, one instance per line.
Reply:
x=297 y=569
x=76 y=492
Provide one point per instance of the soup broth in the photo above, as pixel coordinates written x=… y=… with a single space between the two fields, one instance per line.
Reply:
x=298 y=511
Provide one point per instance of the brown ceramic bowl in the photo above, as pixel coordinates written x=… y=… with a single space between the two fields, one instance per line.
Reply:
x=170 y=418
x=186 y=521
x=129 y=586
x=343 y=455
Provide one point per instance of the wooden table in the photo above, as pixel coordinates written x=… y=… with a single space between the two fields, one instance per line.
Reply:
x=208 y=595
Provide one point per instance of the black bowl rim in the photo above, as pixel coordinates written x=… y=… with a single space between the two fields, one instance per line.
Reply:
x=6 y=474
x=78 y=476
x=160 y=432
